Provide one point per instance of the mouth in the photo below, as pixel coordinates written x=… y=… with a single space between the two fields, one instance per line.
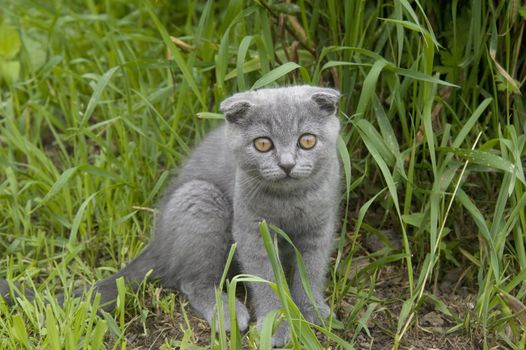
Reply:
x=283 y=177
x=286 y=178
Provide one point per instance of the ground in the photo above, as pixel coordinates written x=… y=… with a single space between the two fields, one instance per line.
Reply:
x=432 y=330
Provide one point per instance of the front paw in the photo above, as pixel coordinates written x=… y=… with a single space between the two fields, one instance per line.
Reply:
x=242 y=315
x=316 y=317
x=281 y=336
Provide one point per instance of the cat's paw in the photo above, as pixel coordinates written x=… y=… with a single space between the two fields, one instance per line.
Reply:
x=242 y=316
x=312 y=316
x=280 y=336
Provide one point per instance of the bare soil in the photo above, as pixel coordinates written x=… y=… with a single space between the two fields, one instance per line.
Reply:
x=430 y=331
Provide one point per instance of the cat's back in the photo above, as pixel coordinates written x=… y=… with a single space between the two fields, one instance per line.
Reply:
x=210 y=161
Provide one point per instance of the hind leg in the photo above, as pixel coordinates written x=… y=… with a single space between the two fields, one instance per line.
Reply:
x=194 y=231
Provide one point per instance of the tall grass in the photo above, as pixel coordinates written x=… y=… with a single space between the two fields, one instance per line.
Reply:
x=101 y=100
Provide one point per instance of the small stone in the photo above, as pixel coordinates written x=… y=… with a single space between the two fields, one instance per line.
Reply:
x=433 y=319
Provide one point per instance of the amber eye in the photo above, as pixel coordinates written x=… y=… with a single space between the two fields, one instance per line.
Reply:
x=307 y=141
x=263 y=144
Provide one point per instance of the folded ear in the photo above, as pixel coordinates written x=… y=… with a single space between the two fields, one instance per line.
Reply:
x=326 y=99
x=235 y=108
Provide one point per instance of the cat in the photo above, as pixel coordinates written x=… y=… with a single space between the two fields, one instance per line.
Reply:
x=274 y=158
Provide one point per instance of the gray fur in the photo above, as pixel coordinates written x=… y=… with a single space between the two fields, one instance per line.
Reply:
x=227 y=187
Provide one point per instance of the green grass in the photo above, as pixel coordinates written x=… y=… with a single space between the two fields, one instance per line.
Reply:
x=99 y=104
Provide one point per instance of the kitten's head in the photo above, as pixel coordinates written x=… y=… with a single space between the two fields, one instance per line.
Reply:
x=283 y=135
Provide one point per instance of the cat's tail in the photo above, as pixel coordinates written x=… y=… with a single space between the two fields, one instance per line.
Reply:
x=16 y=292
x=143 y=267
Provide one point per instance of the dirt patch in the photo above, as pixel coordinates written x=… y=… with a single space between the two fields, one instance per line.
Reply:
x=153 y=327
x=434 y=321
x=431 y=330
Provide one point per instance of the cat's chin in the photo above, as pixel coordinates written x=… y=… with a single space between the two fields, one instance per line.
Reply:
x=283 y=177
x=287 y=183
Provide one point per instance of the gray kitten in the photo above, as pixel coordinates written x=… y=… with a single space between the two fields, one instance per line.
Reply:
x=274 y=159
